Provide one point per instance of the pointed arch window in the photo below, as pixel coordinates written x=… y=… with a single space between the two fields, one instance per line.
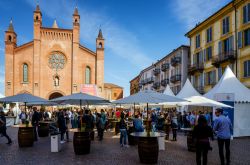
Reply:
x=25 y=72
x=87 y=75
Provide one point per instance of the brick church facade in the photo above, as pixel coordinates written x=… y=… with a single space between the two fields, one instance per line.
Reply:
x=53 y=64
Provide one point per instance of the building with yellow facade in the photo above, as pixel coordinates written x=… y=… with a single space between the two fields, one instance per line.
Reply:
x=222 y=39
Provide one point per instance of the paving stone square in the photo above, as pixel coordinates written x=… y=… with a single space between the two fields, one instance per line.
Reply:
x=109 y=152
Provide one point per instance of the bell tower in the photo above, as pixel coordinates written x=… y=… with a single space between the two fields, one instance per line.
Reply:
x=100 y=63
x=10 y=45
x=75 y=55
x=37 y=19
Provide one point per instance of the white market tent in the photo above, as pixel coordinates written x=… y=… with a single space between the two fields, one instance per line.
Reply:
x=168 y=91
x=229 y=84
x=187 y=90
x=189 y=93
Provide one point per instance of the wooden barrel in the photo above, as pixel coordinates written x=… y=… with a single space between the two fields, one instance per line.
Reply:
x=43 y=129
x=132 y=140
x=148 y=149
x=81 y=143
x=190 y=142
x=25 y=136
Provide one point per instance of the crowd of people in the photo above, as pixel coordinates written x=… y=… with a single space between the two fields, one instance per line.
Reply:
x=204 y=128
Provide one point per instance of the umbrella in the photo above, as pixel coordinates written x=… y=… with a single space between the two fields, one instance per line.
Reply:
x=148 y=96
x=79 y=99
x=46 y=103
x=24 y=97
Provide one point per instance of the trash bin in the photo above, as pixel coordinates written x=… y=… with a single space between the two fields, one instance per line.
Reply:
x=55 y=142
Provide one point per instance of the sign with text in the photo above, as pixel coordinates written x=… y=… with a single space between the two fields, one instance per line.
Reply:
x=90 y=89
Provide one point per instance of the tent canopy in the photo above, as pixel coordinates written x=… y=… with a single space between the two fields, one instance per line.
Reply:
x=79 y=99
x=230 y=84
x=203 y=101
x=187 y=90
x=147 y=96
x=168 y=91
x=23 y=97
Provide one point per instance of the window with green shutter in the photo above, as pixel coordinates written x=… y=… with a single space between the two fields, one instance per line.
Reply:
x=246 y=13
x=247 y=68
x=225 y=25
x=247 y=37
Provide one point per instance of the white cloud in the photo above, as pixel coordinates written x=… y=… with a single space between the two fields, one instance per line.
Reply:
x=118 y=40
x=190 y=12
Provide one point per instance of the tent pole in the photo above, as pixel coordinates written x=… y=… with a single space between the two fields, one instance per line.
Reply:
x=134 y=110
x=25 y=107
x=80 y=104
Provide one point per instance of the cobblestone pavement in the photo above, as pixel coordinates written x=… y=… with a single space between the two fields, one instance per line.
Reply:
x=109 y=152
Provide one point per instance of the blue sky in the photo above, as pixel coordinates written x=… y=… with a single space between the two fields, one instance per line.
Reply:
x=137 y=32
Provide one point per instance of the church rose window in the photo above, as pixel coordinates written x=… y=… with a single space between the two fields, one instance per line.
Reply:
x=57 y=61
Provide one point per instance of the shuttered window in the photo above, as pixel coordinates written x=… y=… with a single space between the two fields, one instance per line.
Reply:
x=225 y=25
x=87 y=75
x=247 y=68
x=209 y=34
x=247 y=37
x=246 y=13
x=25 y=73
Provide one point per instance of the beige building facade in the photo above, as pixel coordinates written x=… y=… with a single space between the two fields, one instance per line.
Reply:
x=221 y=40
x=170 y=70
x=54 y=63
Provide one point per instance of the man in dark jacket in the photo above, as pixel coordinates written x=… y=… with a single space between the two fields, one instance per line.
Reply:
x=3 y=127
x=35 y=121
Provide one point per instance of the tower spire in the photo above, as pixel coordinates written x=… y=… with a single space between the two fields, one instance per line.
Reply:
x=76 y=11
x=11 y=28
x=55 y=24
x=100 y=33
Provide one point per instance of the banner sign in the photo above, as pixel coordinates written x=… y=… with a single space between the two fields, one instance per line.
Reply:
x=228 y=99
x=90 y=89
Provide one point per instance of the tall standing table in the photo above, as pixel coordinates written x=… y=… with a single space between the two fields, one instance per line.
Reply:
x=148 y=147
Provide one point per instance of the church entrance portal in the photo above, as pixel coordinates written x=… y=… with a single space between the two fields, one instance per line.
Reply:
x=55 y=95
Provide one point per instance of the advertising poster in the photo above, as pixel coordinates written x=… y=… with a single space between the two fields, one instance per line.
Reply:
x=90 y=89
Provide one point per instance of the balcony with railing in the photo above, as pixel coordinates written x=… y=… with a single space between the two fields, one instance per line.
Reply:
x=156 y=71
x=175 y=78
x=224 y=57
x=165 y=67
x=175 y=61
x=156 y=85
x=192 y=68
x=150 y=80
x=164 y=82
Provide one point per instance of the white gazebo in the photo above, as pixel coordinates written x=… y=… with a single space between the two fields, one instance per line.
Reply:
x=168 y=91
x=230 y=89
x=187 y=90
x=189 y=93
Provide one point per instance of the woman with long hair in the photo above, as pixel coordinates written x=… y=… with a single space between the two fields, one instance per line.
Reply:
x=201 y=135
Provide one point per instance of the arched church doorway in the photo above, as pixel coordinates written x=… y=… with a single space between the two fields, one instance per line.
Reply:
x=55 y=95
